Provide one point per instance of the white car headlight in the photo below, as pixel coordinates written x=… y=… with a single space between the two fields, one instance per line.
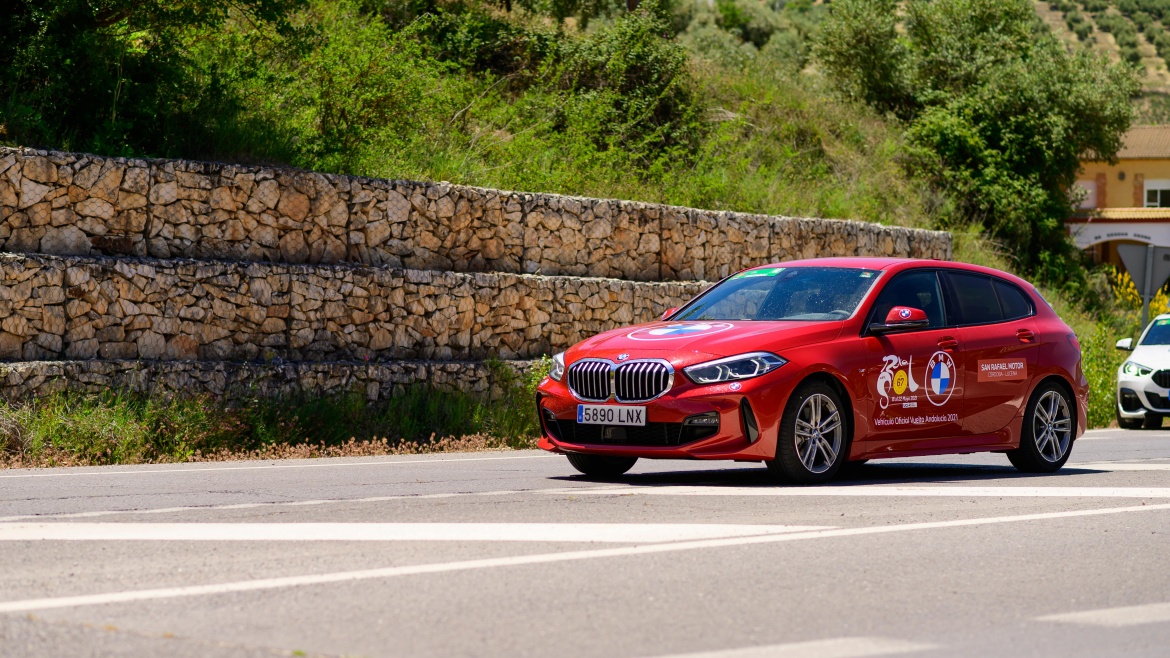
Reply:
x=558 y=367
x=1136 y=369
x=743 y=366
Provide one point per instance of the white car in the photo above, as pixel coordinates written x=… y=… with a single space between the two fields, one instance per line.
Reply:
x=1143 y=380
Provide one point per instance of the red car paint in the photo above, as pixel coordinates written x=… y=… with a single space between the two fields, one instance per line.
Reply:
x=991 y=370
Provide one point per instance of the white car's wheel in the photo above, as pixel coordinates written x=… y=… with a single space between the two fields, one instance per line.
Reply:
x=1128 y=423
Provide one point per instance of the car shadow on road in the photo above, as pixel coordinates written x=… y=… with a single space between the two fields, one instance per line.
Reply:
x=865 y=474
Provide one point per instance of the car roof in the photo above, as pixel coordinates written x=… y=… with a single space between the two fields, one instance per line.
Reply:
x=896 y=264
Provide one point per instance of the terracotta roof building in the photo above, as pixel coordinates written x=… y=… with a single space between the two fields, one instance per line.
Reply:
x=1128 y=201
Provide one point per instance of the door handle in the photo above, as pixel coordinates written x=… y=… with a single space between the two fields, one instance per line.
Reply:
x=1025 y=335
x=947 y=343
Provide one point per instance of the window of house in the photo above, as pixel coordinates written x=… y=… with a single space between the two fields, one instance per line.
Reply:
x=1090 y=192
x=1158 y=193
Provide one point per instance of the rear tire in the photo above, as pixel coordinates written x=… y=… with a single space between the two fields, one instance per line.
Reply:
x=813 y=441
x=1152 y=422
x=1129 y=423
x=1048 y=431
x=601 y=466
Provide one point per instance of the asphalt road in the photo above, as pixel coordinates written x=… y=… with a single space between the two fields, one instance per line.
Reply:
x=511 y=554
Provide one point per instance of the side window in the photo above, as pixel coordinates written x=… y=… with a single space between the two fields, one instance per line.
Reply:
x=914 y=289
x=1012 y=301
x=974 y=299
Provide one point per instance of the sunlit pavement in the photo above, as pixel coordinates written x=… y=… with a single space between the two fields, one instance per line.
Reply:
x=512 y=554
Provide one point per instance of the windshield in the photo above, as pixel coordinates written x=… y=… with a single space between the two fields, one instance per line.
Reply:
x=784 y=293
x=1158 y=334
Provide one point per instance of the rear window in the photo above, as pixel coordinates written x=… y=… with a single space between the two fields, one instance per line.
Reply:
x=1012 y=301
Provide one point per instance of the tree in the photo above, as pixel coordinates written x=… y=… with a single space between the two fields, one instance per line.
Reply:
x=999 y=115
x=110 y=75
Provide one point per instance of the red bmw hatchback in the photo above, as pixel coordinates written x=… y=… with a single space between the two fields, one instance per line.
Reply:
x=811 y=364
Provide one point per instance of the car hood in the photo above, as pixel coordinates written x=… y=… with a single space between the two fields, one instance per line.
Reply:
x=685 y=343
x=1151 y=356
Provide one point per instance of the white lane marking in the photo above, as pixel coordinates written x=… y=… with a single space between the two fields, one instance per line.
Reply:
x=1121 y=466
x=312 y=463
x=279 y=503
x=622 y=533
x=29 y=605
x=1133 y=615
x=842 y=647
x=879 y=490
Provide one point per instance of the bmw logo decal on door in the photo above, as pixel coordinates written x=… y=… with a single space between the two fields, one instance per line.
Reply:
x=940 y=373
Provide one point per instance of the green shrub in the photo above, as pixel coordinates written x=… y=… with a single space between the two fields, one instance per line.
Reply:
x=1100 y=362
x=121 y=427
x=629 y=86
x=1162 y=43
x=1126 y=40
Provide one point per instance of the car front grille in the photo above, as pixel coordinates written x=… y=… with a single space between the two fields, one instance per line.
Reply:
x=641 y=381
x=598 y=380
x=1162 y=378
x=648 y=435
x=589 y=380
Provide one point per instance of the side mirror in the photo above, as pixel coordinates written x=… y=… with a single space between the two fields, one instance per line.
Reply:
x=901 y=318
x=1125 y=344
x=669 y=312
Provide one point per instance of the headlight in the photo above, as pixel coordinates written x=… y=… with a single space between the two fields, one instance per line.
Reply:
x=558 y=367
x=744 y=366
x=1132 y=368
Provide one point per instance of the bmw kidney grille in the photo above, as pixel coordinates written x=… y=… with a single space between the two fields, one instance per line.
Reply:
x=636 y=381
x=589 y=380
x=640 y=381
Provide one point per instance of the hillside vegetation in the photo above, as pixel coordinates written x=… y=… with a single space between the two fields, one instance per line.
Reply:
x=968 y=115
x=717 y=115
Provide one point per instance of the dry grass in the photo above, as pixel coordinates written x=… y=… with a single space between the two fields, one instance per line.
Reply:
x=55 y=458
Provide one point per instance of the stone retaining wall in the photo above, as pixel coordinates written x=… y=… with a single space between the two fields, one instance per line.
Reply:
x=55 y=307
x=67 y=203
x=374 y=380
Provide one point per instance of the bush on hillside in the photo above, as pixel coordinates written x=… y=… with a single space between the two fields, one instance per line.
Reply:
x=116 y=77
x=631 y=83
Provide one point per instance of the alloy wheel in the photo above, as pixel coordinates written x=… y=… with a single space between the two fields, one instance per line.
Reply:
x=819 y=433
x=1052 y=426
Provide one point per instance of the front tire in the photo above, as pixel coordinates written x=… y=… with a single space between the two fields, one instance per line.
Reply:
x=1129 y=423
x=813 y=441
x=601 y=466
x=1048 y=431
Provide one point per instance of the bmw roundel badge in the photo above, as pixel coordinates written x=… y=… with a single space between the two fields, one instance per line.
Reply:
x=623 y=357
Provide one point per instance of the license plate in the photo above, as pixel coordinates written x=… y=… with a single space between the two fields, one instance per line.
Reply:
x=604 y=414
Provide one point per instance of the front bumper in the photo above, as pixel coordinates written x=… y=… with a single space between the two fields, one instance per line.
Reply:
x=1136 y=396
x=666 y=434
